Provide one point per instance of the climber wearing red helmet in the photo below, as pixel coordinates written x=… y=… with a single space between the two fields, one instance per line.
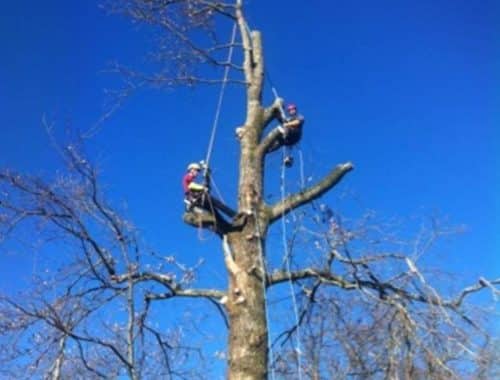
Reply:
x=291 y=131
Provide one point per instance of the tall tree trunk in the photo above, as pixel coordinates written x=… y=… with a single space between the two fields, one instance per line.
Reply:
x=246 y=306
x=246 y=300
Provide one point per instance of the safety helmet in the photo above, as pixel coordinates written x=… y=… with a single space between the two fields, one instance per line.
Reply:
x=291 y=107
x=194 y=165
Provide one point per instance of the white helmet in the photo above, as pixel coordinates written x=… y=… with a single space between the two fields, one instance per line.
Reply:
x=194 y=165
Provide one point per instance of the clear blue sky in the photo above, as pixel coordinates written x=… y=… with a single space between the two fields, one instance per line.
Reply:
x=408 y=91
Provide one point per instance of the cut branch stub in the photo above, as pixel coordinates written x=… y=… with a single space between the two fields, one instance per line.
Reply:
x=202 y=219
x=208 y=221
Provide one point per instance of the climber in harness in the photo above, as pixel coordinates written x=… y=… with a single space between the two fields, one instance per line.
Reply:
x=290 y=132
x=197 y=196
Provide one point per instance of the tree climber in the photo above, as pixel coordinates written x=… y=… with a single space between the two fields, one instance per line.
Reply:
x=290 y=132
x=197 y=196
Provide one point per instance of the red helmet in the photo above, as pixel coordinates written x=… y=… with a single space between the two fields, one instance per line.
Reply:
x=291 y=107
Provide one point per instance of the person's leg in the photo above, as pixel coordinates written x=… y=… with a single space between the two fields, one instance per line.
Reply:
x=219 y=205
x=193 y=202
x=278 y=143
x=293 y=137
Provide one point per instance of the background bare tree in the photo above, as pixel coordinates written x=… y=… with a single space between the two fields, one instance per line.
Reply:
x=393 y=322
x=365 y=308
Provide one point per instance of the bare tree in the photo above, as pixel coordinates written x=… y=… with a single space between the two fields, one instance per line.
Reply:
x=394 y=322
x=62 y=323
x=371 y=302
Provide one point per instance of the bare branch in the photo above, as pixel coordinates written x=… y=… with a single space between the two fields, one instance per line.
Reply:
x=307 y=195
x=324 y=277
x=482 y=284
x=384 y=289
x=175 y=289
x=191 y=293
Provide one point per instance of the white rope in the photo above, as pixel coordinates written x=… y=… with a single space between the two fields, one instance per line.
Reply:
x=217 y=112
x=284 y=235
x=221 y=97
x=301 y=165
x=288 y=269
x=264 y=275
x=275 y=93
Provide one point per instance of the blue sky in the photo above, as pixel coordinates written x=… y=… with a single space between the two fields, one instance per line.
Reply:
x=407 y=91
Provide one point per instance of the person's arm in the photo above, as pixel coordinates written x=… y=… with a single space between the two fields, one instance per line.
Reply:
x=294 y=123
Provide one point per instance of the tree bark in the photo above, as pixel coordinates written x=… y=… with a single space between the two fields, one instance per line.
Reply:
x=246 y=303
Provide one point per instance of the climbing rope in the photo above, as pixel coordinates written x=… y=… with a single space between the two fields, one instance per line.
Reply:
x=288 y=269
x=217 y=114
x=284 y=234
x=217 y=191
x=221 y=97
x=301 y=166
